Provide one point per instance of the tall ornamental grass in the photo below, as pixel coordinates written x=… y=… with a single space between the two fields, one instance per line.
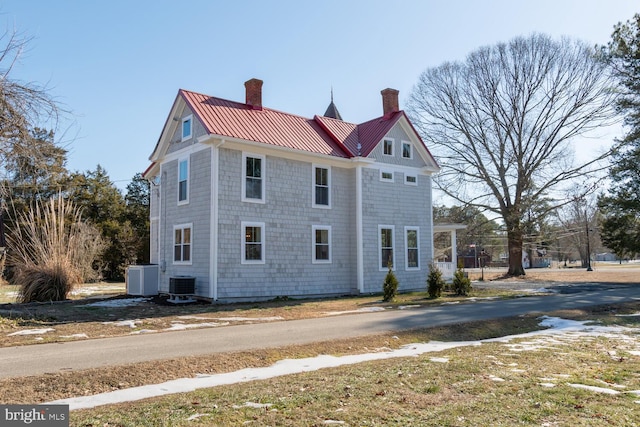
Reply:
x=51 y=250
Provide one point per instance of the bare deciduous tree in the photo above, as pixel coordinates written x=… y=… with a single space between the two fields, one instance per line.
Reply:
x=23 y=106
x=502 y=125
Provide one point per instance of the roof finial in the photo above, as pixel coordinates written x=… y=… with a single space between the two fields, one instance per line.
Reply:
x=332 y=110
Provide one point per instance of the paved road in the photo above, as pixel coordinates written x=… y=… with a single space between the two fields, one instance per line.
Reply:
x=78 y=355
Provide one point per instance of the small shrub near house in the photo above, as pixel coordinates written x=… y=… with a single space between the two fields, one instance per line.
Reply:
x=390 y=285
x=435 y=282
x=461 y=283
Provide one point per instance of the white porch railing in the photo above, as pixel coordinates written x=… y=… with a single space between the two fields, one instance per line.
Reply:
x=446 y=268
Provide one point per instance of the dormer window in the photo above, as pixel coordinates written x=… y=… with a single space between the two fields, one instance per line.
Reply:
x=187 y=128
x=407 y=152
x=387 y=147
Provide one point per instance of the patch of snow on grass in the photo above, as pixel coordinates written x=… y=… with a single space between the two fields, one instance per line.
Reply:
x=628 y=315
x=182 y=326
x=496 y=379
x=31 y=332
x=547 y=385
x=360 y=310
x=75 y=336
x=118 y=302
x=253 y=405
x=250 y=319
x=91 y=290
x=440 y=359
x=142 y=331
x=333 y=422
x=130 y=323
x=450 y=303
x=406 y=307
x=594 y=389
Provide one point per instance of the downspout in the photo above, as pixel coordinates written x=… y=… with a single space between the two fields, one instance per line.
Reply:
x=213 y=250
x=359 y=231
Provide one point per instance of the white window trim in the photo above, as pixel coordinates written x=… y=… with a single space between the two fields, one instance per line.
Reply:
x=263 y=177
x=313 y=244
x=185 y=201
x=407 y=175
x=173 y=256
x=406 y=248
x=187 y=118
x=383 y=179
x=410 y=150
x=313 y=186
x=393 y=246
x=243 y=227
x=393 y=146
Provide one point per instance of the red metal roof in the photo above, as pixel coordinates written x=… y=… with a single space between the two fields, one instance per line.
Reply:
x=321 y=135
x=236 y=120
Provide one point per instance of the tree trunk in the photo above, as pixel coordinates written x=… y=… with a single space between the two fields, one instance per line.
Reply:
x=514 y=243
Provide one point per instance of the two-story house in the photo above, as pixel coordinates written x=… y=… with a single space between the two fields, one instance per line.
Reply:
x=256 y=203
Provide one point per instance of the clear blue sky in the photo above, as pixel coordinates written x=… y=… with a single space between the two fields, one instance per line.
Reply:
x=118 y=64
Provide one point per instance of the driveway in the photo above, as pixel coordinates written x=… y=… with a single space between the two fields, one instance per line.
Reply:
x=95 y=353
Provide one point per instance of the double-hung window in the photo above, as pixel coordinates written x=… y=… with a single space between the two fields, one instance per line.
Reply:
x=321 y=187
x=253 y=178
x=407 y=150
x=321 y=244
x=187 y=128
x=412 y=243
x=386 y=252
x=252 y=243
x=182 y=244
x=183 y=181
x=387 y=147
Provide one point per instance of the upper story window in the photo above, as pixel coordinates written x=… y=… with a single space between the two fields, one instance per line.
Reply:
x=321 y=187
x=387 y=147
x=183 y=181
x=187 y=128
x=411 y=179
x=253 y=178
x=182 y=244
x=407 y=150
x=252 y=243
x=386 y=176
x=321 y=244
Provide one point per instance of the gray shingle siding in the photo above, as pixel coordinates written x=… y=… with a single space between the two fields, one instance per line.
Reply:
x=399 y=205
x=288 y=216
x=196 y=212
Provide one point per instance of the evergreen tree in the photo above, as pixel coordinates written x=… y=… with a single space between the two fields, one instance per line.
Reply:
x=621 y=206
x=103 y=205
x=137 y=214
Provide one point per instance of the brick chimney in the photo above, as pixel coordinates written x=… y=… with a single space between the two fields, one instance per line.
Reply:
x=390 y=101
x=254 y=93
